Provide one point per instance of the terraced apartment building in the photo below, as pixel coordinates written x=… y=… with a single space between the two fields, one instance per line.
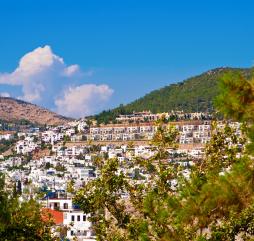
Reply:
x=189 y=131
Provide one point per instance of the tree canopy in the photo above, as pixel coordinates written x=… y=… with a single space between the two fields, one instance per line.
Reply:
x=21 y=220
x=214 y=203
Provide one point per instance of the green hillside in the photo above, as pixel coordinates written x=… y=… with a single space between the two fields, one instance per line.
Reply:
x=191 y=95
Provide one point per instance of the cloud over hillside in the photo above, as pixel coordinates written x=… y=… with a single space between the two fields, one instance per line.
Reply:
x=45 y=79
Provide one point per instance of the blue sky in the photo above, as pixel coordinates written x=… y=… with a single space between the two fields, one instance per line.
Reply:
x=118 y=50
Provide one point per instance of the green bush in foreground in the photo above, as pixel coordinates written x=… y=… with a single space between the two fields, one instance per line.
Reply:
x=21 y=221
x=215 y=203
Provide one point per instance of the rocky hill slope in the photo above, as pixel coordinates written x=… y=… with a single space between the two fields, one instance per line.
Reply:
x=15 y=110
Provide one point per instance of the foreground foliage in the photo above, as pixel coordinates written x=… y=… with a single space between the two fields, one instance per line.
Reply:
x=214 y=203
x=21 y=221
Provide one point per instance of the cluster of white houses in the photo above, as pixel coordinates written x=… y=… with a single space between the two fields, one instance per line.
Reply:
x=52 y=173
x=148 y=116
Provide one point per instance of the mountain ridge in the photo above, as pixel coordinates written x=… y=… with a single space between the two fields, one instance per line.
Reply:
x=12 y=109
x=192 y=94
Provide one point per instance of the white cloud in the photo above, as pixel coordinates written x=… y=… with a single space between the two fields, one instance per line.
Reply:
x=71 y=70
x=5 y=94
x=46 y=80
x=83 y=100
x=36 y=70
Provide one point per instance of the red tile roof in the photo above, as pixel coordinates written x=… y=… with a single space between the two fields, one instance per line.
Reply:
x=54 y=215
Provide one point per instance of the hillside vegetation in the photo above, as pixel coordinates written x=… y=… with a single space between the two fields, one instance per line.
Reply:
x=191 y=95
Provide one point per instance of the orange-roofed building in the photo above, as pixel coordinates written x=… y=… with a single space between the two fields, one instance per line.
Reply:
x=56 y=216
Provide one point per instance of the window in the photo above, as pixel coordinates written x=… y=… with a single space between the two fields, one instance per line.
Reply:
x=84 y=218
x=65 y=205
x=72 y=232
x=78 y=217
x=72 y=218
